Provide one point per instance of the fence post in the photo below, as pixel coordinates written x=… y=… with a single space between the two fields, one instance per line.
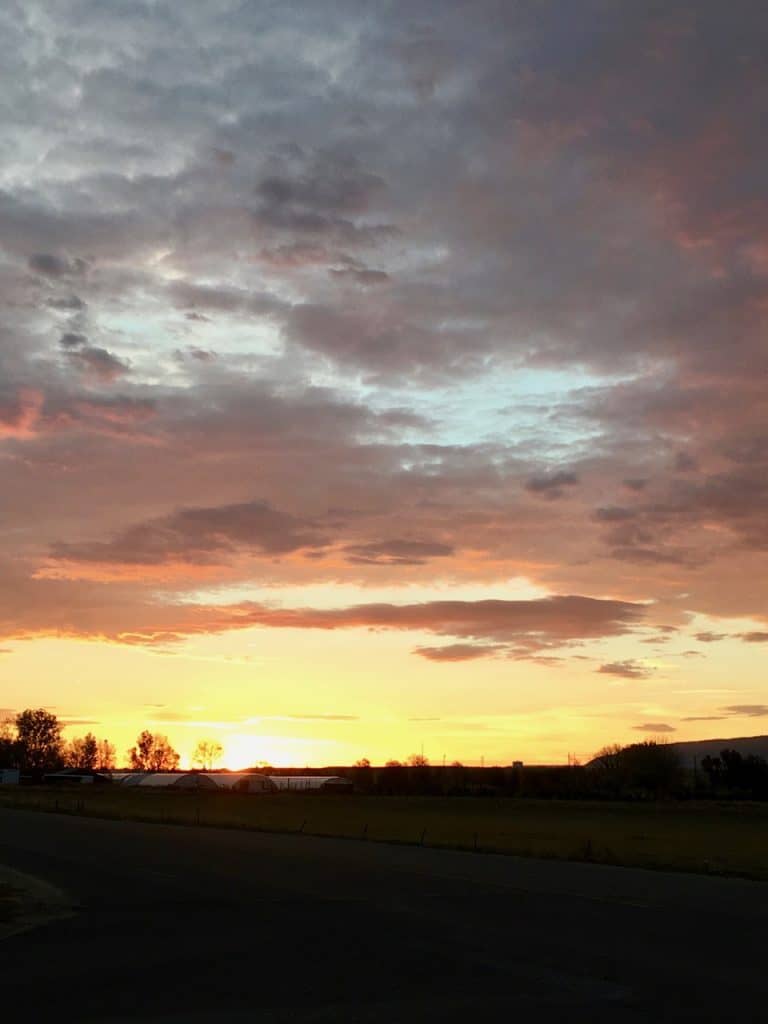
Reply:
x=364 y=834
x=475 y=840
x=423 y=834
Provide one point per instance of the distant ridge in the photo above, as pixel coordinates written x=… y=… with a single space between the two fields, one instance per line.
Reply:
x=697 y=749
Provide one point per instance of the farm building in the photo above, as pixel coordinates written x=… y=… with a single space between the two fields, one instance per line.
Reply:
x=312 y=783
x=240 y=781
x=77 y=777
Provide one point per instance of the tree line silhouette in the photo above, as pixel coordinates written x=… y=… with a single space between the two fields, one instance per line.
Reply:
x=32 y=741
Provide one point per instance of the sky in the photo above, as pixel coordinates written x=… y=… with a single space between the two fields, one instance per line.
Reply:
x=385 y=376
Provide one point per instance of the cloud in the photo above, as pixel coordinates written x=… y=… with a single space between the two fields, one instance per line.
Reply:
x=654 y=727
x=527 y=623
x=20 y=414
x=708 y=637
x=516 y=340
x=703 y=718
x=747 y=710
x=627 y=669
x=95 y=362
x=199 y=536
x=318 y=718
x=51 y=265
x=552 y=486
x=457 y=652
x=755 y=637
x=72 y=340
x=67 y=303
x=396 y=552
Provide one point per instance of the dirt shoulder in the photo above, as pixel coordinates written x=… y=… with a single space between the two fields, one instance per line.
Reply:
x=27 y=902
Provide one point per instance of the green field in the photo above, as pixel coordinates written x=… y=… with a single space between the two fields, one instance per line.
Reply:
x=721 y=838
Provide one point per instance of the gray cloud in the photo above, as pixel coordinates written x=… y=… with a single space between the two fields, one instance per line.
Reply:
x=95 y=362
x=273 y=257
x=747 y=710
x=396 y=552
x=50 y=265
x=627 y=669
x=200 y=536
x=552 y=486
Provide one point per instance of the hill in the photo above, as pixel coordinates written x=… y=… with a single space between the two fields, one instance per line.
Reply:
x=697 y=749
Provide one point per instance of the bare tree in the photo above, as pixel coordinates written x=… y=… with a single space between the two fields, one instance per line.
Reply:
x=206 y=754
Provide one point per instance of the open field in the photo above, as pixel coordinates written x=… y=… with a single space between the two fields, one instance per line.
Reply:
x=719 y=838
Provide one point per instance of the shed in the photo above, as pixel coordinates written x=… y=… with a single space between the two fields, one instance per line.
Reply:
x=312 y=783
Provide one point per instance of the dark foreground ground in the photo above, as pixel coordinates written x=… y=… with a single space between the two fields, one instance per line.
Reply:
x=200 y=925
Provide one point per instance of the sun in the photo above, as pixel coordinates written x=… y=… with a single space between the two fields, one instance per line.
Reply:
x=245 y=750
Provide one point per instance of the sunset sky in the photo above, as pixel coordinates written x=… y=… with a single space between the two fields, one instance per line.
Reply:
x=385 y=374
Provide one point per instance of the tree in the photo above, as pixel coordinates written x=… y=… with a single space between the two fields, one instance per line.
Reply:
x=38 y=737
x=418 y=761
x=8 y=746
x=105 y=756
x=153 y=753
x=732 y=771
x=206 y=754
x=82 y=752
x=648 y=767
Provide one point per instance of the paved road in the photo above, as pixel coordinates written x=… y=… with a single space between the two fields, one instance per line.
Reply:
x=200 y=925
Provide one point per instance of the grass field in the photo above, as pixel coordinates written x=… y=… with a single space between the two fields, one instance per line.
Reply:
x=721 y=838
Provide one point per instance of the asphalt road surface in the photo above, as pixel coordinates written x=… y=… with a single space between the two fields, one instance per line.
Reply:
x=176 y=924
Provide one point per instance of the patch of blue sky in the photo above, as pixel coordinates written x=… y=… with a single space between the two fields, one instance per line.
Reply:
x=511 y=408
x=154 y=339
